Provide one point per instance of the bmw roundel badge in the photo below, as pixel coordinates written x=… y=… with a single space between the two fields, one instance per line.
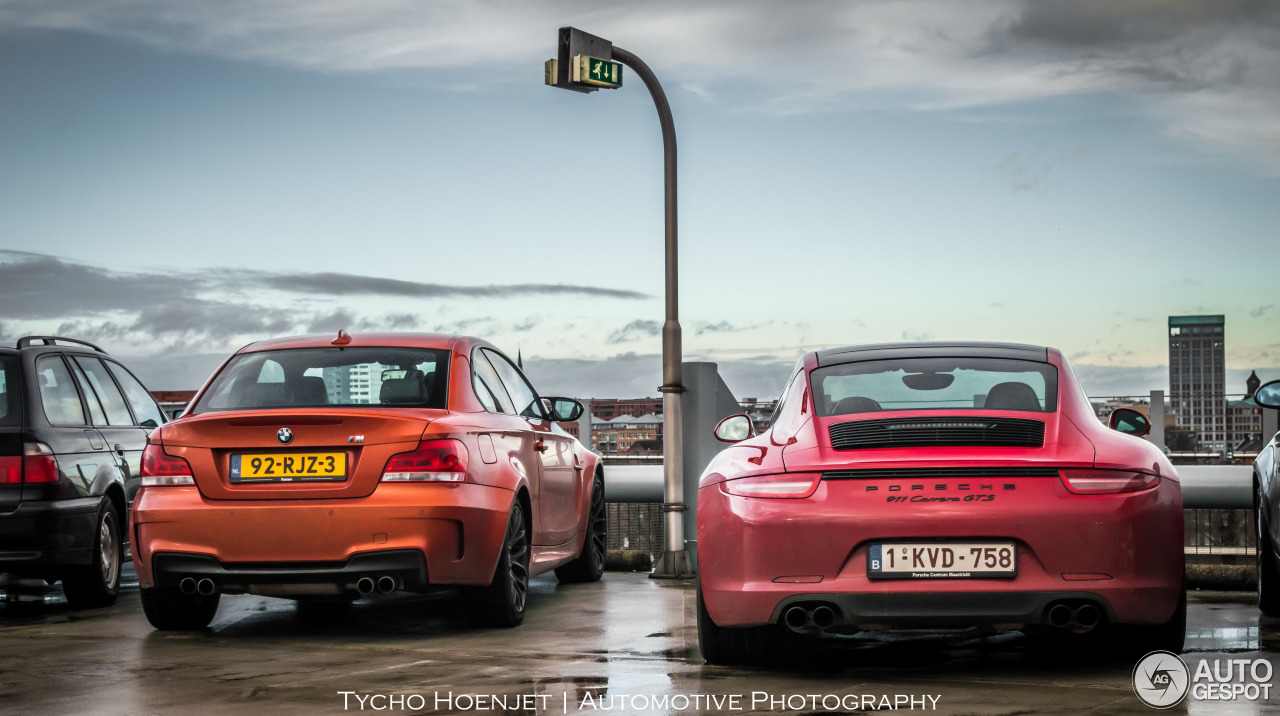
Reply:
x=284 y=435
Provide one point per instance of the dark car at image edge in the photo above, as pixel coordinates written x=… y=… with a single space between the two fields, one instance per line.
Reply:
x=73 y=424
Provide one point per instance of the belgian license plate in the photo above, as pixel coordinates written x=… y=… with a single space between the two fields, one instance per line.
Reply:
x=942 y=560
x=289 y=467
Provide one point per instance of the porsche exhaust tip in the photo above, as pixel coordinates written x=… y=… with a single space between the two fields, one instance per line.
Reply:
x=1060 y=615
x=205 y=587
x=1087 y=617
x=823 y=616
x=187 y=586
x=796 y=619
x=387 y=584
x=365 y=585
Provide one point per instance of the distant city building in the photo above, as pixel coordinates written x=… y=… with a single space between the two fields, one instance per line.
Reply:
x=1244 y=419
x=610 y=408
x=1197 y=378
x=620 y=435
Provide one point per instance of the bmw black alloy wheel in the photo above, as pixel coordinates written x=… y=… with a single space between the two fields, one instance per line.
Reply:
x=599 y=526
x=518 y=556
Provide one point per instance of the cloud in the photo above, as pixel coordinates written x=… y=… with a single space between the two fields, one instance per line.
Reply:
x=39 y=286
x=342 y=284
x=332 y=323
x=209 y=318
x=1029 y=171
x=725 y=327
x=1261 y=311
x=1205 y=73
x=634 y=331
x=35 y=286
x=913 y=336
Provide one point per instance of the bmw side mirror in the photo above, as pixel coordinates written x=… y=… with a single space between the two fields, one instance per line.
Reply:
x=1129 y=422
x=735 y=428
x=1268 y=396
x=563 y=410
x=149 y=424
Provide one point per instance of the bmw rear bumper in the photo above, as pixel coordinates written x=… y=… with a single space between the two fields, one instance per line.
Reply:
x=456 y=529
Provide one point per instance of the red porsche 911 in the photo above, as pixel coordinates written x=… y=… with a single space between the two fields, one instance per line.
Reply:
x=317 y=468
x=938 y=486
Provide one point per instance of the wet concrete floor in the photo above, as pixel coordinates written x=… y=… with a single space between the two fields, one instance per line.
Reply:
x=625 y=645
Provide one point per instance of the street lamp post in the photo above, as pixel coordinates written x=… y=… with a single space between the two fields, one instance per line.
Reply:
x=582 y=65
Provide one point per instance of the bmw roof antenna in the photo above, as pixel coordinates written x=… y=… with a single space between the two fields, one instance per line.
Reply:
x=343 y=338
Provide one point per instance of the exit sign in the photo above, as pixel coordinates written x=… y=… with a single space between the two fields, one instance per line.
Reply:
x=598 y=72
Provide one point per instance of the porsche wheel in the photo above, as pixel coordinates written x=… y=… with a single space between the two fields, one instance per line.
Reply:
x=589 y=566
x=735 y=646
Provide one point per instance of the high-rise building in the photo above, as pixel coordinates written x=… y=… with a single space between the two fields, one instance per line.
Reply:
x=1197 y=378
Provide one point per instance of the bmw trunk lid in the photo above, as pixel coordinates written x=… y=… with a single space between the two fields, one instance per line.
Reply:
x=302 y=454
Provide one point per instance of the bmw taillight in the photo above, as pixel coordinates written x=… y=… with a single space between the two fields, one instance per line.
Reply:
x=38 y=464
x=794 y=485
x=160 y=469
x=431 y=461
x=1107 y=482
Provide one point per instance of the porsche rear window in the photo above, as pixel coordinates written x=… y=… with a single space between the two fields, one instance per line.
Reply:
x=935 y=384
x=320 y=377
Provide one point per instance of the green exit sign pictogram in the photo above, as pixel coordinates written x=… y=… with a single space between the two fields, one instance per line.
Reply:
x=598 y=72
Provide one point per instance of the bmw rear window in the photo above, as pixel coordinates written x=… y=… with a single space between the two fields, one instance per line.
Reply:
x=10 y=394
x=935 y=384
x=330 y=377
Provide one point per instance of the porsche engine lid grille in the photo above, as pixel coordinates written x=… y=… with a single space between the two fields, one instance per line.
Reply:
x=920 y=473
x=940 y=432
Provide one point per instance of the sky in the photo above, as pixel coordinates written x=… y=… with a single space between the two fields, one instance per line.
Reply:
x=180 y=178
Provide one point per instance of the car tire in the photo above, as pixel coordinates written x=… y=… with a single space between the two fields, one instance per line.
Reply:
x=98 y=583
x=589 y=566
x=170 y=610
x=734 y=646
x=1268 y=574
x=502 y=603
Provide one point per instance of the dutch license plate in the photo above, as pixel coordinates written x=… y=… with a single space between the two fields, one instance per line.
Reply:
x=942 y=560
x=290 y=467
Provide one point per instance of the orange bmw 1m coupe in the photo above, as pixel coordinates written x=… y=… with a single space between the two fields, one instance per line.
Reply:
x=324 y=469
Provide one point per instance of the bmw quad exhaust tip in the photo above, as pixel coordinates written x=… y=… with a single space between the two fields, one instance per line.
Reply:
x=388 y=584
x=365 y=585
x=187 y=586
x=205 y=587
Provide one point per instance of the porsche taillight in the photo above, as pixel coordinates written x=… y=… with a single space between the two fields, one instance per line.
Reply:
x=792 y=485
x=431 y=461
x=1107 y=482
x=160 y=469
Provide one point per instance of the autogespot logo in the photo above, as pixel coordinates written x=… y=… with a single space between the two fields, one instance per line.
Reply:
x=1161 y=679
